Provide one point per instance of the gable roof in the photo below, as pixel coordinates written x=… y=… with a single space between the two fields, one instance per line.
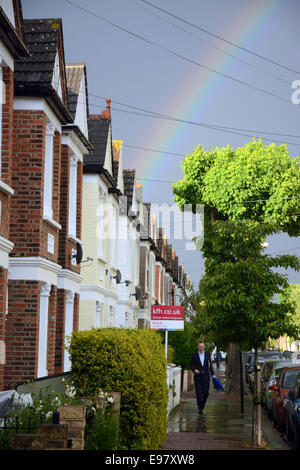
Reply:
x=74 y=73
x=129 y=183
x=99 y=130
x=145 y=228
x=98 y=136
x=33 y=75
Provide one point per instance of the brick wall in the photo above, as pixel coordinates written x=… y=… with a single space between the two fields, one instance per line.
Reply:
x=6 y=149
x=22 y=331
x=64 y=206
x=60 y=331
x=27 y=182
x=66 y=245
x=52 y=313
x=76 y=312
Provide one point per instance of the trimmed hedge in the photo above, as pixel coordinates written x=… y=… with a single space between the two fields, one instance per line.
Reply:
x=131 y=362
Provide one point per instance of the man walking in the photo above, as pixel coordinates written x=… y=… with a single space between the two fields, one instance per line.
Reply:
x=201 y=365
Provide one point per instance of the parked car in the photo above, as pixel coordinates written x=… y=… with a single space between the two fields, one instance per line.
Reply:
x=274 y=374
x=247 y=358
x=288 y=354
x=262 y=357
x=285 y=383
x=267 y=371
x=292 y=413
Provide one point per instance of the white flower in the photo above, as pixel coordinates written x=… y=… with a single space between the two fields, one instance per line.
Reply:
x=110 y=399
x=71 y=391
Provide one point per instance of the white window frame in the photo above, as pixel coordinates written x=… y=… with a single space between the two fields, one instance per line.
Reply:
x=114 y=232
x=48 y=172
x=73 y=197
x=100 y=216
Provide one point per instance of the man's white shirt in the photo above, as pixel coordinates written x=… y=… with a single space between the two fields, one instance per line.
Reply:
x=202 y=357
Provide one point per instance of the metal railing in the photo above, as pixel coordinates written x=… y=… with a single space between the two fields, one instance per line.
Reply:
x=12 y=423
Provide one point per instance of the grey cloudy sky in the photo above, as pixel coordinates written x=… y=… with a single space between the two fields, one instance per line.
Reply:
x=165 y=66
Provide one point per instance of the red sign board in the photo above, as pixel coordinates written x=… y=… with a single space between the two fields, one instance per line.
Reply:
x=167 y=317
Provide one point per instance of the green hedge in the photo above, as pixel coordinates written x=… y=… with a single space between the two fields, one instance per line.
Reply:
x=131 y=362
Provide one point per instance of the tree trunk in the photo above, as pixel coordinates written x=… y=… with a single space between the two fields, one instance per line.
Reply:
x=234 y=385
x=258 y=408
x=241 y=382
x=254 y=416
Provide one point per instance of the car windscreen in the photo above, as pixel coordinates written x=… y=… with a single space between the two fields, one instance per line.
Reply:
x=290 y=378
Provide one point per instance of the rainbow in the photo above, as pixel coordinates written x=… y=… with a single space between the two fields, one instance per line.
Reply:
x=198 y=94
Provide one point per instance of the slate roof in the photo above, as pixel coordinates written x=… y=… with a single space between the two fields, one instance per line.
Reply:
x=129 y=182
x=98 y=135
x=41 y=38
x=72 y=102
x=145 y=228
x=33 y=75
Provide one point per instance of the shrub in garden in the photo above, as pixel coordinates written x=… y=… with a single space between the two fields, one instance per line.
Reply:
x=101 y=432
x=183 y=345
x=32 y=413
x=131 y=362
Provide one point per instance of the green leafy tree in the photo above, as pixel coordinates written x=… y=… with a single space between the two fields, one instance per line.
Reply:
x=225 y=180
x=237 y=297
x=183 y=343
x=252 y=184
x=255 y=183
x=292 y=295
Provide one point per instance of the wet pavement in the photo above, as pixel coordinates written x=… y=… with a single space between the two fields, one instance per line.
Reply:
x=221 y=426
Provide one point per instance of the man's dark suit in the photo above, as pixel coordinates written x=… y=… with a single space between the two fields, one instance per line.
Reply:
x=202 y=379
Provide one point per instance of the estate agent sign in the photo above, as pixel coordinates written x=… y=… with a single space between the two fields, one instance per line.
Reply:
x=167 y=317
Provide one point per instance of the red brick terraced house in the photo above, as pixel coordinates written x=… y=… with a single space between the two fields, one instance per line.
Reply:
x=12 y=48
x=49 y=140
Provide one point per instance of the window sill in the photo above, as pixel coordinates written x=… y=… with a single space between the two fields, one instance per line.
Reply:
x=73 y=238
x=6 y=189
x=51 y=222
